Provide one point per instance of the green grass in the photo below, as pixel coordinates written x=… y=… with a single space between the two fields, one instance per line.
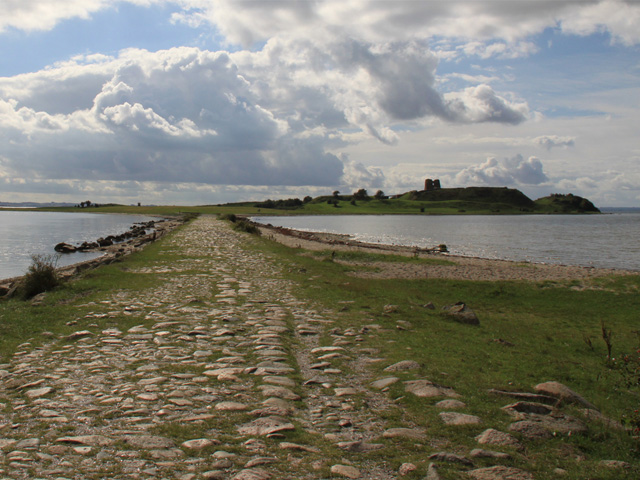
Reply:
x=545 y=322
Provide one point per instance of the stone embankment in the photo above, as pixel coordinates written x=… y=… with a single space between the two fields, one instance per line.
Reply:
x=222 y=373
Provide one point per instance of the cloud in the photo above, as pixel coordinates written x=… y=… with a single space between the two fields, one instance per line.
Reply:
x=481 y=104
x=251 y=118
x=505 y=172
x=44 y=14
x=500 y=50
x=550 y=141
x=356 y=176
x=316 y=78
x=247 y=22
x=181 y=115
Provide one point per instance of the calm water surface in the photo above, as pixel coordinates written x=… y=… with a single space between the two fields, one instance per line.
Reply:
x=606 y=241
x=26 y=233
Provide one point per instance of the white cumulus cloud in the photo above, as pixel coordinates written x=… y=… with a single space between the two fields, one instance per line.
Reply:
x=550 y=141
x=504 y=172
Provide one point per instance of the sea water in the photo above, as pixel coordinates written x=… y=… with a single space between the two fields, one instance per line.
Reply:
x=605 y=241
x=25 y=233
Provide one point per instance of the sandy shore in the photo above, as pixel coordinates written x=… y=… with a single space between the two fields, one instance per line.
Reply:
x=462 y=268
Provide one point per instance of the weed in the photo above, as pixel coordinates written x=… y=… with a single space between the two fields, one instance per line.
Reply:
x=246 y=226
x=41 y=275
x=607 y=336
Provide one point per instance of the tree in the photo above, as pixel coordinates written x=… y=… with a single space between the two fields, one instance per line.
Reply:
x=379 y=195
x=307 y=199
x=361 y=194
x=336 y=193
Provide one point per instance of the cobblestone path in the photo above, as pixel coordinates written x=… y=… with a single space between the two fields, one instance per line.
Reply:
x=224 y=358
x=221 y=376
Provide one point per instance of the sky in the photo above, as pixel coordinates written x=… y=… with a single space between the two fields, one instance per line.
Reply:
x=193 y=102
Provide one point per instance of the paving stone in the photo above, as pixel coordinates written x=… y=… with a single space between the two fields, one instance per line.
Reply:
x=298 y=447
x=384 y=383
x=530 y=430
x=499 y=472
x=411 y=433
x=278 y=392
x=450 y=403
x=558 y=390
x=39 y=392
x=345 y=471
x=425 y=388
x=198 y=443
x=256 y=462
x=406 y=469
x=148 y=441
x=360 y=446
x=231 y=406
x=345 y=392
x=92 y=440
x=454 y=418
x=265 y=426
x=403 y=366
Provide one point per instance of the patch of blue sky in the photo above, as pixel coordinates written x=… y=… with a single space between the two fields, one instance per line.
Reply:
x=564 y=66
x=106 y=32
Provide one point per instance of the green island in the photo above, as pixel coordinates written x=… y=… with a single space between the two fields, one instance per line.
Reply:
x=213 y=353
x=442 y=201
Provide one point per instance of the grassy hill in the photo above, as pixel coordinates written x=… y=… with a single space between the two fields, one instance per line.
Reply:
x=470 y=200
x=445 y=201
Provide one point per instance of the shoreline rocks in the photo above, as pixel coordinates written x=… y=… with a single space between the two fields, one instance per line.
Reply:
x=111 y=253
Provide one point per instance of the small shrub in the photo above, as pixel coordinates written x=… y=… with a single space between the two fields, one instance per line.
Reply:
x=246 y=226
x=41 y=275
x=187 y=217
x=231 y=217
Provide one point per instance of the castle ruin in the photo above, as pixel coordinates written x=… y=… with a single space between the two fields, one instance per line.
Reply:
x=430 y=184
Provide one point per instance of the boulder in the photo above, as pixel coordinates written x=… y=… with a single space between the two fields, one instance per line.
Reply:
x=546 y=417
x=562 y=392
x=64 y=248
x=105 y=242
x=461 y=313
x=84 y=246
